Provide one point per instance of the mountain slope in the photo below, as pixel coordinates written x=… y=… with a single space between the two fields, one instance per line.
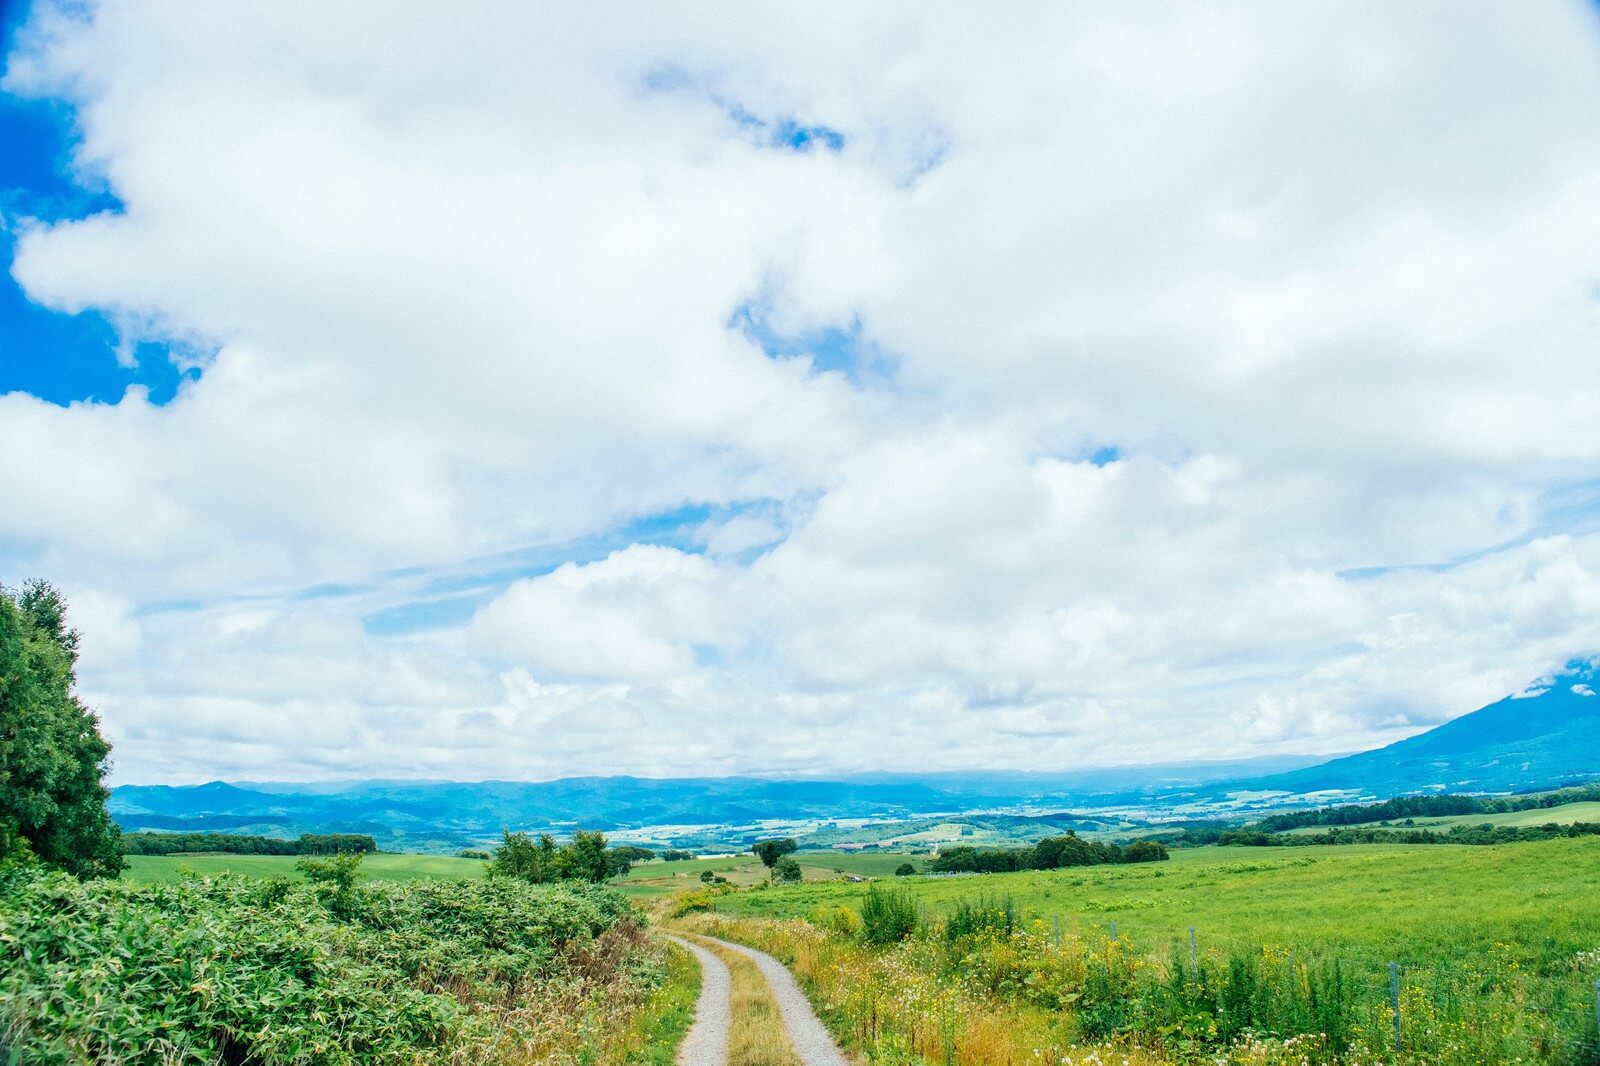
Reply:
x=1546 y=736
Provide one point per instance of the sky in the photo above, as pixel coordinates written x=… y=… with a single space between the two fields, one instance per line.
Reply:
x=518 y=391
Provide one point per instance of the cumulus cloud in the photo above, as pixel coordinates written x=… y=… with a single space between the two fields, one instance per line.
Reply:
x=826 y=389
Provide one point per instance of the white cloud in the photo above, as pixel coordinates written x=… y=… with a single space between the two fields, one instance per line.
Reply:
x=1323 y=276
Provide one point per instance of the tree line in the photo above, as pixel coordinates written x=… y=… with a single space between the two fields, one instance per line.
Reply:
x=247 y=844
x=1051 y=853
x=1424 y=807
x=1459 y=834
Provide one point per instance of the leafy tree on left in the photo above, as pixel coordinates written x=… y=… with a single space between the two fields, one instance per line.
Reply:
x=52 y=756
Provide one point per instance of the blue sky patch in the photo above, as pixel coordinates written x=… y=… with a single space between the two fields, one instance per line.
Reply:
x=841 y=349
x=1106 y=455
x=786 y=132
x=59 y=357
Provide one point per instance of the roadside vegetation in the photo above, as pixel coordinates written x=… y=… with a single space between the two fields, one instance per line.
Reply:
x=534 y=963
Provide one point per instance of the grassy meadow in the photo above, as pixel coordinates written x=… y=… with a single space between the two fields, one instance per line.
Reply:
x=744 y=871
x=1373 y=902
x=645 y=879
x=1498 y=951
x=159 y=869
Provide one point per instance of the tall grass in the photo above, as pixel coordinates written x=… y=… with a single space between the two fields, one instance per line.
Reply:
x=980 y=988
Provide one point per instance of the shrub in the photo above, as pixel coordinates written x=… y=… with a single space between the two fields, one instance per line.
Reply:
x=888 y=916
x=905 y=869
x=694 y=902
x=237 y=970
x=786 y=870
x=840 y=920
x=994 y=917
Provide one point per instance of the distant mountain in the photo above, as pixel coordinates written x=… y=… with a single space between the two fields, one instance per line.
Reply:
x=1546 y=736
x=444 y=814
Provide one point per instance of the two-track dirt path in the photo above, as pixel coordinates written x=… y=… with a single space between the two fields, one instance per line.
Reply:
x=707 y=1042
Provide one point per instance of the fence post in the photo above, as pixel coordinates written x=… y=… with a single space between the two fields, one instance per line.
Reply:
x=1057 y=919
x=1113 y=930
x=1394 y=1000
x=1597 y=1007
x=1194 y=953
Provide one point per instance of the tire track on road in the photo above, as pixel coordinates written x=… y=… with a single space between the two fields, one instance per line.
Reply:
x=707 y=1042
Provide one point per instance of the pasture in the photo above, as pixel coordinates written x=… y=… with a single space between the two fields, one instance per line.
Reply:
x=1424 y=903
x=645 y=879
x=1497 y=951
x=154 y=869
x=660 y=878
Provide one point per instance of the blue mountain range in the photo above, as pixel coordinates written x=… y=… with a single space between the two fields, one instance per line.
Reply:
x=1543 y=737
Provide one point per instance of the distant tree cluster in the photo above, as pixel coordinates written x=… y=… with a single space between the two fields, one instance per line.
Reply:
x=623 y=856
x=1048 y=854
x=246 y=844
x=674 y=855
x=1459 y=834
x=52 y=756
x=586 y=858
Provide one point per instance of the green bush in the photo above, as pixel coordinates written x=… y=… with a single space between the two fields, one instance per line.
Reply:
x=888 y=916
x=982 y=916
x=786 y=870
x=266 y=972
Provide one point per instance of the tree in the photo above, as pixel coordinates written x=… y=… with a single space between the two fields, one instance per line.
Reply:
x=785 y=869
x=52 y=756
x=905 y=869
x=770 y=851
x=519 y=856
x=585 y=859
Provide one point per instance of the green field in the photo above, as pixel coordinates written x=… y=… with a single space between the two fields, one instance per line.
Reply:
x=1420 y=903
x=1565 y=814
x=380 y=867
x=659 y=878
x=646 y=879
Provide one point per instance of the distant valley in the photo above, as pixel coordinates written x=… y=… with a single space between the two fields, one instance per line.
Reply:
x=1543 y=738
